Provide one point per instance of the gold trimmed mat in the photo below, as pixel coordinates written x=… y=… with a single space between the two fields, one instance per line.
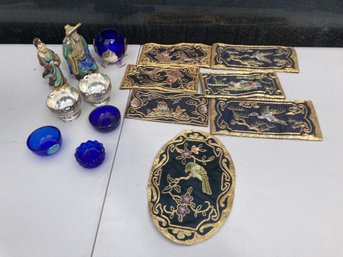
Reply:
x=172 y=79
x=291 y=119
x=189 y=54
x=241 y=85
x=254 y=58
x=181 y=108
x=191 y=187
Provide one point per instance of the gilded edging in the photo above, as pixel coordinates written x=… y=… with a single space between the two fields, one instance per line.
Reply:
x=316 y=137
x=195 y=97
x=205 y=63
x=255 y=95
x=229 y=197
x=293 y=56
x=192 y=71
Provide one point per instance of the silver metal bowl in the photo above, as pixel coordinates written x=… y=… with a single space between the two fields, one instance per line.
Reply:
x=65 y=103
x=96 y=88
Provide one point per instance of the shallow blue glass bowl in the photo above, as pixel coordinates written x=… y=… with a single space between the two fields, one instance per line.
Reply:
x=90 y=154
x=45 y=140
x=105 y=118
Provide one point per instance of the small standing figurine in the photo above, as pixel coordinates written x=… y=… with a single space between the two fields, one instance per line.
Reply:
x=77 y=54
x=50 y=61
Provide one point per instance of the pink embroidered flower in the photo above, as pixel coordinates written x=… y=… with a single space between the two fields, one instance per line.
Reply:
x=195 y=149
x=182 y=210
x=186 y=199
x=184 y=155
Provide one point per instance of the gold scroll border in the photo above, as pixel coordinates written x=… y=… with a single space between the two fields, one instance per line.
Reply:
x=313 y=117
x=205 y=63
x=266 y=70
x=205 y=124
x=256 y=95
x=230 y=195
x=194 y=70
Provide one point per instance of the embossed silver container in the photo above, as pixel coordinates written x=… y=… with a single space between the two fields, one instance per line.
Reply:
x=96 y=88
x=65 y=103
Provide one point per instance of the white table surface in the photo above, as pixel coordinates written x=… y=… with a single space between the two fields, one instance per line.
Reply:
x=289 y=193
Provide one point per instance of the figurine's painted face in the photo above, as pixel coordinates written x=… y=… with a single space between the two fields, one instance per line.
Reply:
x=42 y=48
x=75 y=36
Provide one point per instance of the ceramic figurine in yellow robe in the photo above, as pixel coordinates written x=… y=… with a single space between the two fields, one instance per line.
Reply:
x=77 y=54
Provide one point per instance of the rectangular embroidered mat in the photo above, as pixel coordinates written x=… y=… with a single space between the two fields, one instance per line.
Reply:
x=293 y=119
x=241 y=85
x=254 y=58
x=168 y=107
x=176 y=79
x=182 y=54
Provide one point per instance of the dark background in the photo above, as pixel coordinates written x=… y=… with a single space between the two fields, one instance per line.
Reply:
x=290 y=22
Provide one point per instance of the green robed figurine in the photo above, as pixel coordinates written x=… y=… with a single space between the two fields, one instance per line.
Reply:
x=50 y=61
x=77 y=54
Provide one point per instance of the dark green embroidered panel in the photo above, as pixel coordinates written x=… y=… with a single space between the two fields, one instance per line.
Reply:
x=241 y=85
x=191 y=187
x=168 y=107
x=265 y=118
x=254 y=58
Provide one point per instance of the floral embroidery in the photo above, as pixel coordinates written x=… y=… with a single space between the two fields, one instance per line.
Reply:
x=181 y=211
x=187 y=198
x=163 y=110
x=184 y=203
x=182 y=108
x=185 y=153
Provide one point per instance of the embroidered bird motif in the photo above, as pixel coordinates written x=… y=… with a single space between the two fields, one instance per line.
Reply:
x=243 y=85
x=261 y=56
x=196 y=171
x=268 y=114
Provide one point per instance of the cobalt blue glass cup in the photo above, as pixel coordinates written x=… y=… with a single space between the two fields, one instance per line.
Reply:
x=45 y=140
x=90 y=154
x=105 y=118
x=110 y=45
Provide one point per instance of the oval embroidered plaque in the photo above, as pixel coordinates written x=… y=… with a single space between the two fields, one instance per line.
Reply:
x=191 y=187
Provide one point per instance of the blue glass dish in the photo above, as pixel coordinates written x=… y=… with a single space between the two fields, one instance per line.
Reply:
x=45 y=140
x=90 y=154
x=105 y=118
x=110 y=45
